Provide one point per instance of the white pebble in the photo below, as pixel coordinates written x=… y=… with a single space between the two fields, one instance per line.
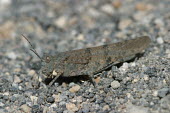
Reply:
x=160 y=40
x=124 y=67
x=135 y=80
x=1 y=104
x=61 y=22
x=53 y=105
x=155 y=93
x=128 y=95
x=11 y=55
x=115 y=84
x=159 y=22
x=107 y=8
x=146 y=77
x=133 y=64
x=34 y=99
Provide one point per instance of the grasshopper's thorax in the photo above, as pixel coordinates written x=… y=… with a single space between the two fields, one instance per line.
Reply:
x=51 y=66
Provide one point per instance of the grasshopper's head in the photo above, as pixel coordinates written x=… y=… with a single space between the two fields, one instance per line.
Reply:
x=51 y=67
x=48 y=65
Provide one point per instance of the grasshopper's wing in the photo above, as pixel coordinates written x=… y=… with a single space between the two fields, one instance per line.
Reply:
x=97 y=58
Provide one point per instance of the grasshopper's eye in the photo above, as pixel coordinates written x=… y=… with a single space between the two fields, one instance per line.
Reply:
x=47 y=59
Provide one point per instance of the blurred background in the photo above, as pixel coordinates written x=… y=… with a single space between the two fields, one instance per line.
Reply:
x=71 y=24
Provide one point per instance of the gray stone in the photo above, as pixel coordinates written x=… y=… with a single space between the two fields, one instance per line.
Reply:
x=163 y=92
x=165 y=104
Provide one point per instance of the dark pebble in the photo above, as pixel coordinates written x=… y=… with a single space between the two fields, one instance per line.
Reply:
x=1 y=96
x=5 y=97
x=151 y=71
x=13 y=99
x=50 y=99
x=36 y=109
x=13 y=89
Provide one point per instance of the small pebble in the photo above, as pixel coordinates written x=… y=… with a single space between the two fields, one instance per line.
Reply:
x=155 y=93
x=107 y=8
x=163 y=92
x=146 y=77
x=138 y=16
x=165 y=104
x=124 y=67
x=117 y=4
x=53 y=105
x=124 y=23
x=74 y=89
x=25 y=108
x=160 y=40
x=80 y=37
x=144 y=7
x=61 y=22
x=85 y=108
x=67 y=111
x=36 y=109
x=31 y=72
x=1 y=104
x=11 y=55
x=71 y=84
x=97 y=80
x=115 y=84
x=5 y=2
x=141 y=7
x=135 y=80
x=133 y=64
x=34 y=99
x=6 y=30
x=57 y=98
x=50 y=100
x=128 y=95
x=159 y=22
x=136 y=109
x=71 y=107
x=17 y=79
x=106 y=107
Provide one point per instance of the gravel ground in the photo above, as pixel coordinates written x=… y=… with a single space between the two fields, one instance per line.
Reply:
x=142 y=85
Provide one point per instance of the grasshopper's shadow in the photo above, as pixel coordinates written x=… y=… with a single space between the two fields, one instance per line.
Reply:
x=76 y=79
x=79 y=78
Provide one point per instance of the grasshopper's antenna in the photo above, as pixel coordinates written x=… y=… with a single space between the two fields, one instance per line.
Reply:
x=32 y=48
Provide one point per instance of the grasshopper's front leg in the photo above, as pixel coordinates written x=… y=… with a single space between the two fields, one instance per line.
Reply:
x=51 y=83
x=55 y=75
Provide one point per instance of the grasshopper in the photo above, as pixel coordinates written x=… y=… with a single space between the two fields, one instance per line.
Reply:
x=90 y=61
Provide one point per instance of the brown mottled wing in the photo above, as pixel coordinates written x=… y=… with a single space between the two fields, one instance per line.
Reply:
x=97 y=58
